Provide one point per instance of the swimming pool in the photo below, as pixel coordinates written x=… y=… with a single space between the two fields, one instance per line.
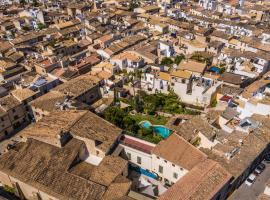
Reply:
x=163 y=131
x=214 y=69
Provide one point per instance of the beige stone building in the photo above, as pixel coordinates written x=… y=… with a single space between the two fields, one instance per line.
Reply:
x=76 y=94
x=66 y=155
x=12 y=115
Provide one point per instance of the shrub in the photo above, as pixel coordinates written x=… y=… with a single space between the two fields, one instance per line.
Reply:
x=213 y=103
x=178 y=59
x=197 y=142
x=9 y=189
x=166 y=61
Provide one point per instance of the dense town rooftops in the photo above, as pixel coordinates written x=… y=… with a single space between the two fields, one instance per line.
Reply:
x=48 y=102
x=189 y=129
x=247 y=54
x=50 y=128
x=62 y=58
x=80 y=124
x=246 y=148
x=77 y=86
x=250 y=90
x=124 y=44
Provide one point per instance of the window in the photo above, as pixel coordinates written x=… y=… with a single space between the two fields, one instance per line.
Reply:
x=160 y=169
x=175 y=175
x=165 y=161
x=173 y=165
x=157 y=157
x=139 y=160
x=128 y=156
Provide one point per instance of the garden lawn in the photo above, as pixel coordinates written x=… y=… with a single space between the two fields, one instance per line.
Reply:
x=155 y=120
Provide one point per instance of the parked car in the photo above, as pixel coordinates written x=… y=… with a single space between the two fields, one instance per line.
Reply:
x=267 y=158
x=250 y=180
x=259 y=169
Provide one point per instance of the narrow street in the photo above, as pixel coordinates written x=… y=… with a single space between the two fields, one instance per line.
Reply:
x=245 y=192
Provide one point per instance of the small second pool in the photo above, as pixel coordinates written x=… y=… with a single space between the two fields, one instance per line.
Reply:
x=145 y=124
x=163 y=131
x=214 y=69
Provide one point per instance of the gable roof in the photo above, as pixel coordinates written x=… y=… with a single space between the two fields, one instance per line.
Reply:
x=178 y=151
x=44 y=166
x=201 y=183
x=92 y=127
x=192 y=66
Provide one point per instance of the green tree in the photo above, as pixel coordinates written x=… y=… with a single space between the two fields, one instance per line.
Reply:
x=154 y=139
x=222 y=70
x=144 y=132
x=133 y=4
x=35 y=3
x=166 y=61
x=23 y=2
x=213 y=103
x=26 y=28
x=178 y=59
x=198 y=57
x=9 y=189
x=41 y=26
x=131 y=124
x=115 y=115
x=138 y=104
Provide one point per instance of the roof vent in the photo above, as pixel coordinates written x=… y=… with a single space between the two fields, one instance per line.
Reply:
x=241 y=142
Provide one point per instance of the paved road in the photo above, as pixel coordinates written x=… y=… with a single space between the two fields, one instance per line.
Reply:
x=245 y=192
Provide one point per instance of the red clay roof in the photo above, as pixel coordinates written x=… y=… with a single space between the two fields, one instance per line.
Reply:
x=136 y=145
x=225 y=98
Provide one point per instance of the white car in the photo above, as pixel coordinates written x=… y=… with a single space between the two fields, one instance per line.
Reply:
x=250 y=180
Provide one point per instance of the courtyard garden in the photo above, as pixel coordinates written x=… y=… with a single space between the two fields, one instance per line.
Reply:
x=145 y=108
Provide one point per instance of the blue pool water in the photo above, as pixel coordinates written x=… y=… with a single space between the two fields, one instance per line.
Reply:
x=145 y=124
x=143 y=171
x=159 y=129
x=214 y=69
x=162 y=130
